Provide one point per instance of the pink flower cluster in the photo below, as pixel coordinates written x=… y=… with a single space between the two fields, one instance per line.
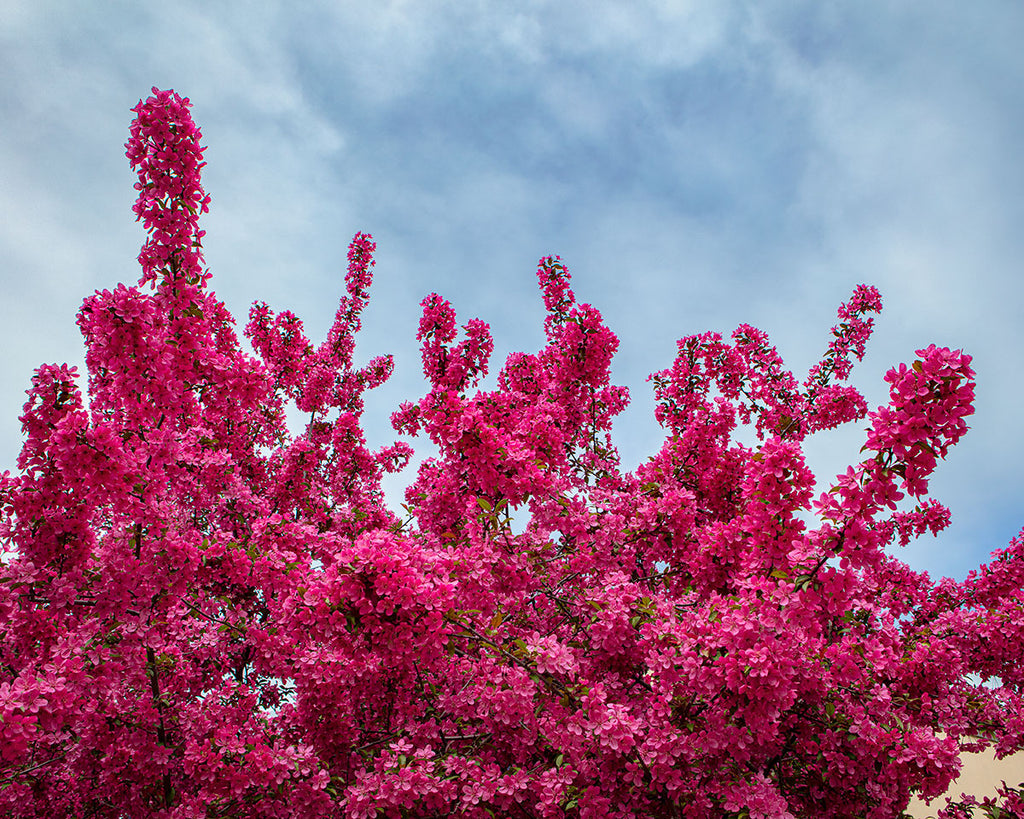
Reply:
x=164 y=150
x=205 y=615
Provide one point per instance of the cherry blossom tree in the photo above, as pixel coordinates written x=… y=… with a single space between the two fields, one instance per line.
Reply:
x=204 y=615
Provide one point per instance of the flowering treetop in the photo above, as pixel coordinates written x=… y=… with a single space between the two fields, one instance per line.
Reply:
x=207 y=616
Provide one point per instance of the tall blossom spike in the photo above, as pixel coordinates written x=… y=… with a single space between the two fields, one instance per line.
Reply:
x=164 y=150
x=203 y=614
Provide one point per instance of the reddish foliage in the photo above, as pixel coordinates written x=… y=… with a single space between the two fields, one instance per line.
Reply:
x=205 y=616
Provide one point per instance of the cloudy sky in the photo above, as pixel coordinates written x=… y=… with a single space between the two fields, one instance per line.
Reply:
x=696 y=164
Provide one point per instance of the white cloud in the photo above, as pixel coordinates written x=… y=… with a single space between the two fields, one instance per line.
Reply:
x=696 y=164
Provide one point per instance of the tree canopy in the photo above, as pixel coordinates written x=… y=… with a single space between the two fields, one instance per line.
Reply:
x=204 y=615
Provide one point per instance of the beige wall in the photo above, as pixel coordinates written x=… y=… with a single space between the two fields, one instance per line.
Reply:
x=981 y=775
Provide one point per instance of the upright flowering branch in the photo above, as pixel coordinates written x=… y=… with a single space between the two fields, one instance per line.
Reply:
x=204 y=614
x=164 y=150
x=156 y=530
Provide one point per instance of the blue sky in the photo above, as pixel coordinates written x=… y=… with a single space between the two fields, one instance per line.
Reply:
x=696 y=164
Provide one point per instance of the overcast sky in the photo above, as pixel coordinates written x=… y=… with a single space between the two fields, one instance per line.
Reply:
x=696 y=164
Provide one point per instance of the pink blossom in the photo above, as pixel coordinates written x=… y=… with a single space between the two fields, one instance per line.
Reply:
x=204 y=613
